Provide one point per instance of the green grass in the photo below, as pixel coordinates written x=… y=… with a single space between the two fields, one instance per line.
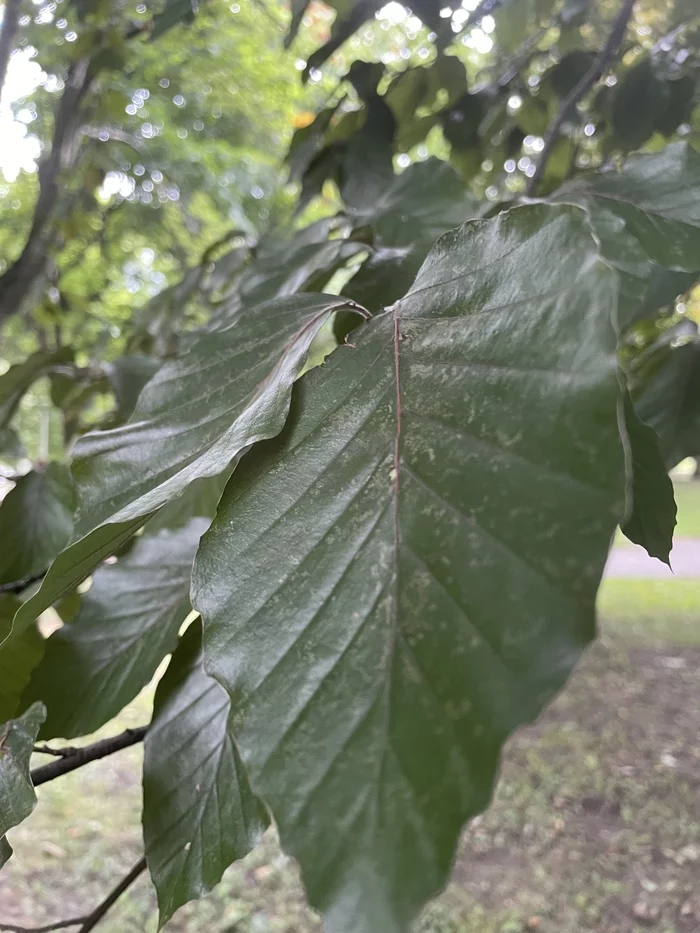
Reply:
x=594 y=827
x=688 y=502
x=652 y=611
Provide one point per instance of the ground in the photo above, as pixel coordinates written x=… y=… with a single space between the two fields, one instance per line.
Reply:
x=595 y=826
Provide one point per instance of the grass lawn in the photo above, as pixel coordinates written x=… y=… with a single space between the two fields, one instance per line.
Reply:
x=594 y=828
x=688 y=502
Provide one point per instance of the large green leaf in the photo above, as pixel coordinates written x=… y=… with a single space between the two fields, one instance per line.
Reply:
x=36 y=520
x=409 y=571
x=653 y=513
x=18 y=658
x=17 y=797
x=127 y=623
x=199 y=813
x=192 y=419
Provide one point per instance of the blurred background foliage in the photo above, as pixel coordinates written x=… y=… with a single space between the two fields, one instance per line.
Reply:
x=175 y=157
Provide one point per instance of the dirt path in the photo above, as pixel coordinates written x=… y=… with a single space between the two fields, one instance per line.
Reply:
x=633 y=561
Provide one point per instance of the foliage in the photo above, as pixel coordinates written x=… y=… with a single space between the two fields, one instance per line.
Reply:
x=349 y=451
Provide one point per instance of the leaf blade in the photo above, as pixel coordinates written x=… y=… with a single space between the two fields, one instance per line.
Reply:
x=189 y=725
x=371 y=720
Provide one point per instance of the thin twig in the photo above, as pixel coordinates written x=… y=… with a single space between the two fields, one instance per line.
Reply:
x=593 y=75
x=91 y=920
x=99 y=912
x=16 y=586
x=59 y=925
x=72 y=758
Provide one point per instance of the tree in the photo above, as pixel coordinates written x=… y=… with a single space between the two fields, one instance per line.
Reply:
x=356 y=462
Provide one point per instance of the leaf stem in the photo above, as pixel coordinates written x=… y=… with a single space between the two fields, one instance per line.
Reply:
x=16 y=586
x=72 y=758
x=593 y=75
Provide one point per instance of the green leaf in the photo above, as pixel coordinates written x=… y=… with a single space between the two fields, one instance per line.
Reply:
x=174 y=12
x=199 y=500
x=367 y=167
x=409 y=571
x=419 y=206
x=656 y=199
x=11 y=447
x=37 y=517
x=199 y=813
x=127 y=377
x=512 y=19
x=15 y=382
x=653 y=514
x=298 y=8
x=346 y=23
x=18 y=658
x=5 y=851
x=192 y=419
x=567 y=73
x=127 y=623
x=667 y=391
x=17 y=797
x=306 y=142
x=638 y=102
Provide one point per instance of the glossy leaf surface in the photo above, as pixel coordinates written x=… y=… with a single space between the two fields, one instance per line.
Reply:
x=17 y=797
x=393 y=585
x=36 y=521
x=193 y=418
x=199 y=812
x=127 y=623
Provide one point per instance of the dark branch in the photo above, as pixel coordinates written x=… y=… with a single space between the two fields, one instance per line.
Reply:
x=72 y=758
x=593 y=75
x=99 y=912
x=16 y=586
x=88 y=922
x=19 y=280
x=59 y=925
x=10 y=21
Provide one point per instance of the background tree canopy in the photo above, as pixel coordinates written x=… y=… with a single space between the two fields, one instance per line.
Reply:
x=338 y=338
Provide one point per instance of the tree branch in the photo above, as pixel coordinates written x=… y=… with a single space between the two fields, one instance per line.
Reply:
x=72 y=758
x=88 y=922
x=59 y=925
x=10 y=22
x=16 y=586
x=17 y=282
x=99 y=912
x=593 y=75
